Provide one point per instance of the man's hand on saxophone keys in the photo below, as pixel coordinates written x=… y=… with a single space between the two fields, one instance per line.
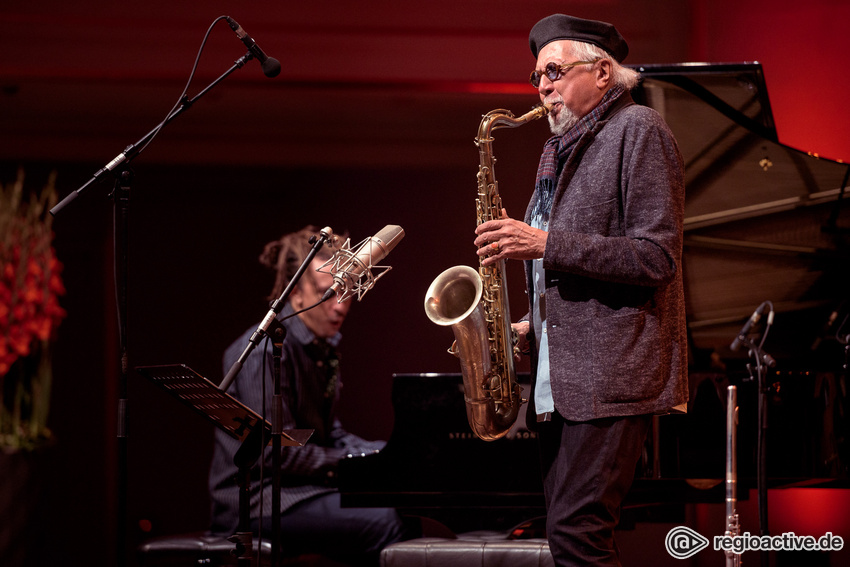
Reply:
x=507 y=238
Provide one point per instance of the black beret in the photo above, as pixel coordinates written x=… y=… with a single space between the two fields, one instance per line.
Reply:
x=558 y=26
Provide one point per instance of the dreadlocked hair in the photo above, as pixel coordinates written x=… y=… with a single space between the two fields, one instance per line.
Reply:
x=286 y=254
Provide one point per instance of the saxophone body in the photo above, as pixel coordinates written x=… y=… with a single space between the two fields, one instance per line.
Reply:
x=474 y=303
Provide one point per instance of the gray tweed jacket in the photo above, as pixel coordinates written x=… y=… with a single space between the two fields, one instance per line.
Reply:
x=613 y=262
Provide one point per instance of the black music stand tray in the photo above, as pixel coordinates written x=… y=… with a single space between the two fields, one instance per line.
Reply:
x=234 y=418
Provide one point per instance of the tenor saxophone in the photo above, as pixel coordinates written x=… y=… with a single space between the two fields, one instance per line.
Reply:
x=475 y=305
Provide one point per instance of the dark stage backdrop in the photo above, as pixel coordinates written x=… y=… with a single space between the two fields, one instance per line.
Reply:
x=81 y=80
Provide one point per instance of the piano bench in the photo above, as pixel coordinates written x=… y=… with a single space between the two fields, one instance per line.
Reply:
x=468 y=549
x=199 y=548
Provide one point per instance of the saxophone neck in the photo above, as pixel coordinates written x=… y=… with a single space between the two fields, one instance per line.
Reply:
x=538 y=111
x=501 y=118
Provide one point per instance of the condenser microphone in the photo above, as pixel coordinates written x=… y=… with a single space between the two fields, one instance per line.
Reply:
x=754 y=318
x=271 y=66
x=352 y=269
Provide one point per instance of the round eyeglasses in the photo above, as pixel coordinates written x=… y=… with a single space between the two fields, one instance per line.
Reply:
x=554 y=71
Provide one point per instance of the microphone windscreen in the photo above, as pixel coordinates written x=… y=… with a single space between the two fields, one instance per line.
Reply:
x=271 y=67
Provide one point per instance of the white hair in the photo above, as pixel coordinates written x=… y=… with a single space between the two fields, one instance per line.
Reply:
x=623 y=76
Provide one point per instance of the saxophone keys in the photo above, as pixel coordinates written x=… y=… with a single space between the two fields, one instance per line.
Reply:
x=454 y=350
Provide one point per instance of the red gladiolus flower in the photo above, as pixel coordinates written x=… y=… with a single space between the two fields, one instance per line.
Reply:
x=30 y=281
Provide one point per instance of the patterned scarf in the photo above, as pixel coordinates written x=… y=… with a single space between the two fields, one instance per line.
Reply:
x=558 y=148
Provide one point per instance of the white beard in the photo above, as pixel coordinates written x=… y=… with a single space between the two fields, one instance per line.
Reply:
x=565 y=120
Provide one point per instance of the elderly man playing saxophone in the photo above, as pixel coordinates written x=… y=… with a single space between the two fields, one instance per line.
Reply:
x=602 y=245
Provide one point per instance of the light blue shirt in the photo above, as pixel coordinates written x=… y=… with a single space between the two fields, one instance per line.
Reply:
x=543 y=401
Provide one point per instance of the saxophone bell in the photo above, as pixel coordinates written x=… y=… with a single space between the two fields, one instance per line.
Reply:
x=454 y=300
x=474 y=303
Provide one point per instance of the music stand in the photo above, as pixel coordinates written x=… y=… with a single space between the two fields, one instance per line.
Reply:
x=234 y=418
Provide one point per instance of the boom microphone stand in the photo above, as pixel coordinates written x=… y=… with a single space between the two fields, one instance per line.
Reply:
x=133 y=150
x=119 y=166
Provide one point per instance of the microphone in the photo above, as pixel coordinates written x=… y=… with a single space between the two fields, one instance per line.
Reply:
x=352 y=269
x=271 y=66
x=833 y=317
x=754 y=318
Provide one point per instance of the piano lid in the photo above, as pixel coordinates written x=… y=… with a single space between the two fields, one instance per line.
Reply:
x=763 y=221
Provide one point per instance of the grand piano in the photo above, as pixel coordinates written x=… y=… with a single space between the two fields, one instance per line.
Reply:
x=764 y=221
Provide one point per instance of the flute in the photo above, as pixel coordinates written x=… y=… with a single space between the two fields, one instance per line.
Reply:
x=733 y=528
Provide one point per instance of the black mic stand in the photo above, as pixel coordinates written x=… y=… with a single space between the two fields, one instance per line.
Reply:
x=244 y=459
x=277 y=336
x=121 y=212
x=763 y=361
